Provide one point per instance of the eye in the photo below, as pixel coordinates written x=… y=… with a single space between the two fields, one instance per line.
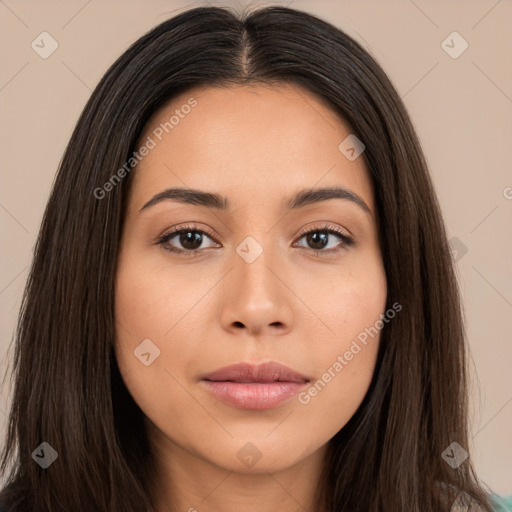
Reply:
x=319 y=238
x=189 y=237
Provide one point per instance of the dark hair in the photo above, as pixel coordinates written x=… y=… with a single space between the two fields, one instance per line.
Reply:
x=68 y=390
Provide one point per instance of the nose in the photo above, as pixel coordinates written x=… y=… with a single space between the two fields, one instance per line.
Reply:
x=255 y=297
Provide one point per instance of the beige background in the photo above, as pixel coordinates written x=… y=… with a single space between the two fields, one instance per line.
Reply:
x=460 y=107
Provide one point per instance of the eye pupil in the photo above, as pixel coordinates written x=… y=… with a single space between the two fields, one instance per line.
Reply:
x=317 y=237
x=191 y=237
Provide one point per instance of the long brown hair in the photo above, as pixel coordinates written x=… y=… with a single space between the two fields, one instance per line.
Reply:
x=67 y=388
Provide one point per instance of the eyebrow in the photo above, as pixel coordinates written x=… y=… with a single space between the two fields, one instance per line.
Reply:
x=216 y=201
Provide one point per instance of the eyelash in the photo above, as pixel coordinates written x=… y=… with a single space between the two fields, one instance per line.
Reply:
x=327 y=228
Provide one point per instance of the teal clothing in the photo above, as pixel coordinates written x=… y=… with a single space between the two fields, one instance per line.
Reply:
x=502 y=503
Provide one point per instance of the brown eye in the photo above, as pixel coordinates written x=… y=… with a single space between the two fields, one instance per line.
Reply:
x=190 y=240
x=185 y=240
x=319 y=239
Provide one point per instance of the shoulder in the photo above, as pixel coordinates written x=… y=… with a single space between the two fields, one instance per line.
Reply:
x=500 y=503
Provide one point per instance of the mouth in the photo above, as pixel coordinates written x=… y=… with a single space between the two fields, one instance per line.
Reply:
x=257 y=387
x=263 y=373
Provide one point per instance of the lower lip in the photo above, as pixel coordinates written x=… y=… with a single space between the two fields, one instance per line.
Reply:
x=254 y=395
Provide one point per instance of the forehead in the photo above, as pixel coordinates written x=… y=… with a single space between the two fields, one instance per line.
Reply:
x=247 y=142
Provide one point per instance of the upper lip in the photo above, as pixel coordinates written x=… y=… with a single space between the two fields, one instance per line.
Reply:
x=264 y=372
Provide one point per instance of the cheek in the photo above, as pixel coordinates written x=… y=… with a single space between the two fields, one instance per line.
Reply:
x=345 y=300
x=331 y=400
x=150 y=300
x=351 y=309
x=148 y=310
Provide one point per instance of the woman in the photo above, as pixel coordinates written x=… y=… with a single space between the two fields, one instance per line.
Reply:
x=310 y=353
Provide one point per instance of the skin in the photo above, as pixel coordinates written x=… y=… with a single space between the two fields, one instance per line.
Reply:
x=257 y=146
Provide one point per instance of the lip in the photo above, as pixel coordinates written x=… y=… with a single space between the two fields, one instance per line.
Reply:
x=249 y=386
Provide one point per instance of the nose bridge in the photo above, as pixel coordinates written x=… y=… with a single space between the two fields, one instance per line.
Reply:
x=255 y=258
x=255 y=296
x=257 y=249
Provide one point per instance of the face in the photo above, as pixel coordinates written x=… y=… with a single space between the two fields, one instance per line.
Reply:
x=254 y=277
